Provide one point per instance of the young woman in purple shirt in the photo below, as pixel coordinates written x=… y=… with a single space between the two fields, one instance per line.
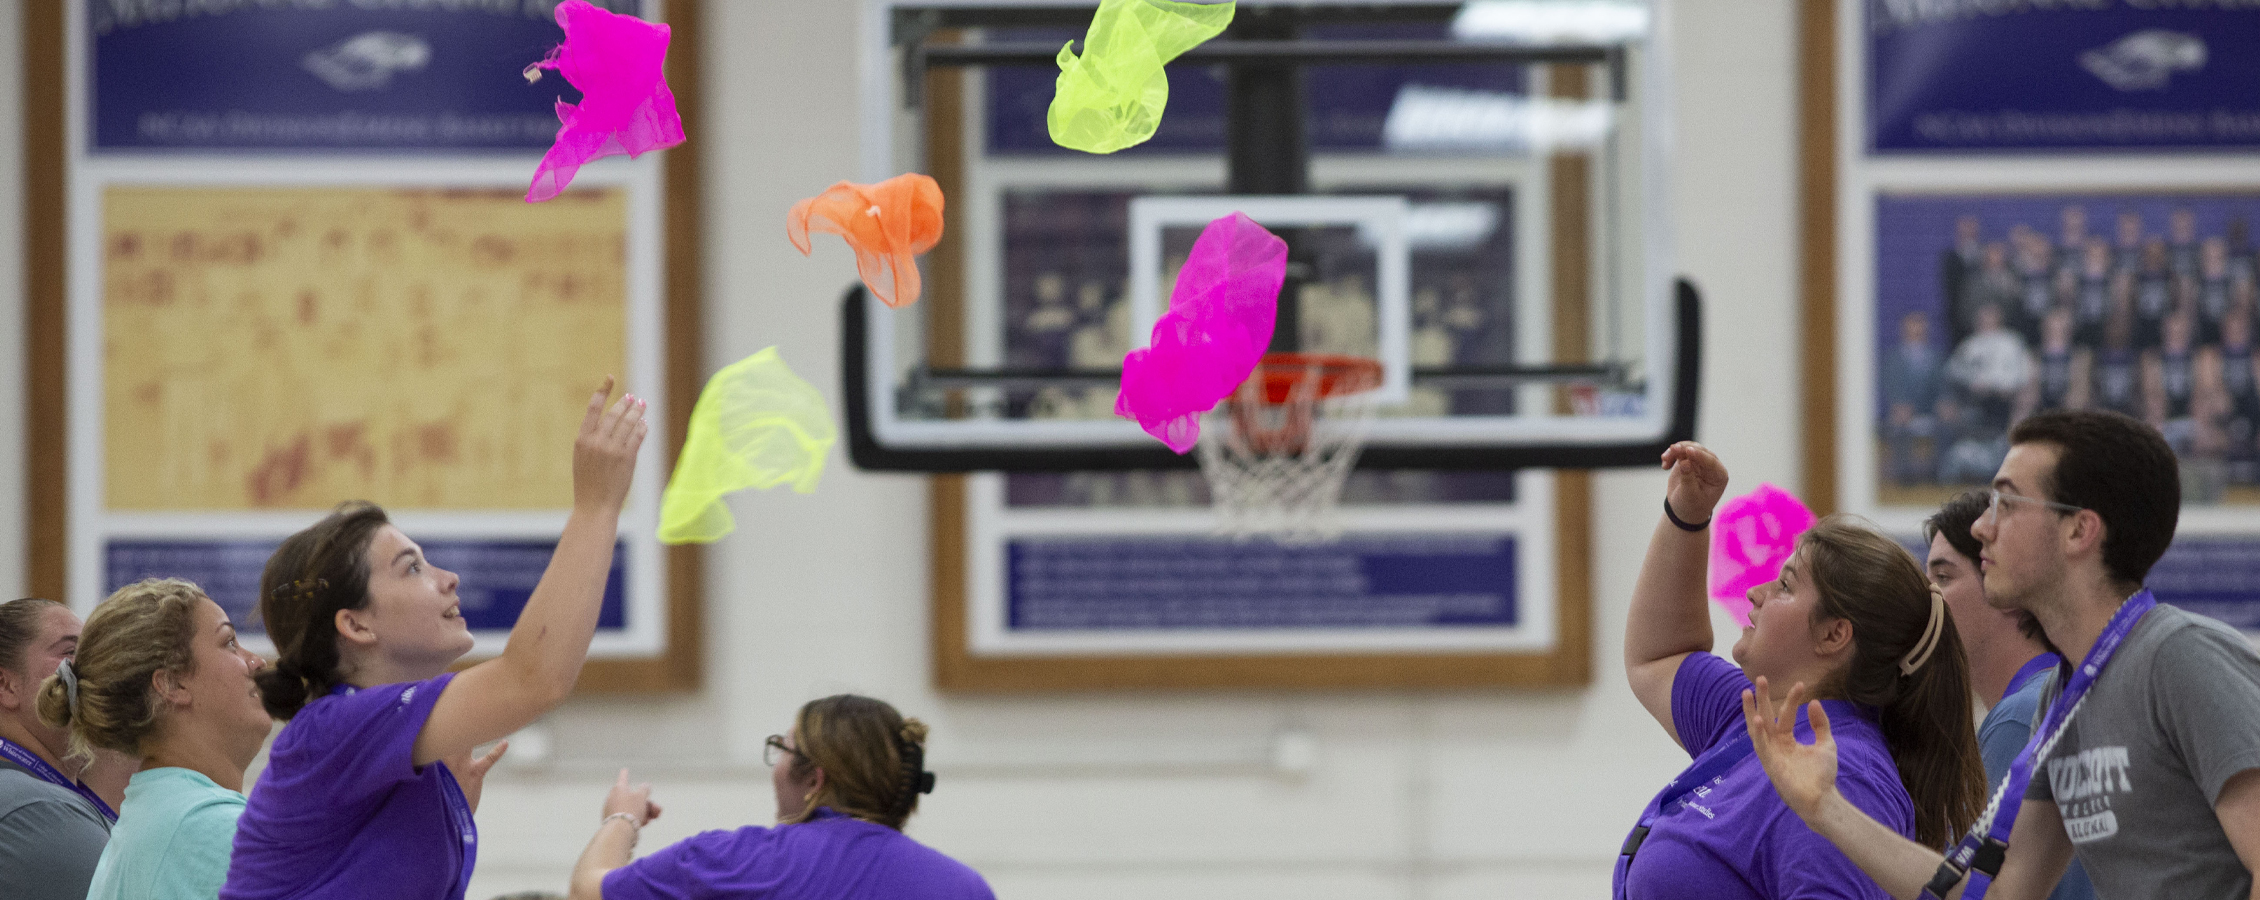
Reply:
x=1852 y=612
x=369 y=790
x=846 y=778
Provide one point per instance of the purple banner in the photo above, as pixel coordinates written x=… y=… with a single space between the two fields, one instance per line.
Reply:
x=324 y=77
x=498 y=576
x=2217 y=577
x=1119 y=583
x=1984 y=75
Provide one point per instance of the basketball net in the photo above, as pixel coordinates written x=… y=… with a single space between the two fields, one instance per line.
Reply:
x=1277 y=452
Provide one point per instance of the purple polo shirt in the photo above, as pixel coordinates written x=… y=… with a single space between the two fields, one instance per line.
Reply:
x=344 y=812
x=1736 y=839
x=829 y=857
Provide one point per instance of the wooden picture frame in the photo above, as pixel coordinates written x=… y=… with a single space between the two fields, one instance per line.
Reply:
x=1567 y=664
x=678 y=668
x=1816 y=248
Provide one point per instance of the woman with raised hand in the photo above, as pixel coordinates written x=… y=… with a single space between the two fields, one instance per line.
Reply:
x=159 y=677
x=370 y=788
x=1851 y=613
x=847 y=776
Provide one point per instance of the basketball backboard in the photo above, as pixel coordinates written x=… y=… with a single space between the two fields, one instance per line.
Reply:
x=1479 y=214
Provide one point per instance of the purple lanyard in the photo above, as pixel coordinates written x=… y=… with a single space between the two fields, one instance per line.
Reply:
x=459 y=818
x=44 y=772
x=1706 y=770
x=1981 y=851
x=2033 y=668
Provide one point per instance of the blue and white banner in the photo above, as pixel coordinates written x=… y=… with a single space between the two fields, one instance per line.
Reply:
x=323 y=75
x=2026 y=75
x=2212 y=576
x=1167 y=583
x=498 y=575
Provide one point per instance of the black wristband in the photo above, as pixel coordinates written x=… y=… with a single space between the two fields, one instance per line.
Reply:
x=1677 y=521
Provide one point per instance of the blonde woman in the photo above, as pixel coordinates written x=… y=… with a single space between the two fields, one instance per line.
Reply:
x=159 y=676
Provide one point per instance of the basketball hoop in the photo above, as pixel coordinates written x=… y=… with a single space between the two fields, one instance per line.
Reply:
x=1277 y=452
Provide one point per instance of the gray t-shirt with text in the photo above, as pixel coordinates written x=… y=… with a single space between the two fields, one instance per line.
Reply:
x=2174 y=715
x=50 y=838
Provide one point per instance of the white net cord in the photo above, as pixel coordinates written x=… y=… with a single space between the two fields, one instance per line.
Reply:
x=1277 y=469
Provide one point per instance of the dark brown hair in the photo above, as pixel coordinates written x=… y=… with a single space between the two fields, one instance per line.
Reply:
x=2118 y=467
x=1954 y=521
x=313 y=575
x=873 y=758
x=143 y=627
x=1863 y=577
x=1955 y=518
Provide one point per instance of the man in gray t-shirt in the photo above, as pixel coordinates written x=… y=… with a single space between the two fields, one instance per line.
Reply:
x=50 y=838
x=2137 y=771
x=2155 y=786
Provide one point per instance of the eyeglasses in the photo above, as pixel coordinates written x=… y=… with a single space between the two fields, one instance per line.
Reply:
x=775 y=745
x=1993 y=506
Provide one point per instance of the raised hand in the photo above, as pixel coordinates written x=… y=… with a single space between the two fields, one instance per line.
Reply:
x=604 y=456
x=634 y=800
x=1698 y=480
x=471 y=772
x=1803 y=774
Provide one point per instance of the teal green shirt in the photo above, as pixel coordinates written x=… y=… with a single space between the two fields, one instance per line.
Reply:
x=172 y=839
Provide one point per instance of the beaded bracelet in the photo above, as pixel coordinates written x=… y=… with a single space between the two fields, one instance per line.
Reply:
x=629 y=818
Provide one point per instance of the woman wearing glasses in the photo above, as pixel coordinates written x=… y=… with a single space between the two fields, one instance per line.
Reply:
x=1851 y=613
x=846 y=777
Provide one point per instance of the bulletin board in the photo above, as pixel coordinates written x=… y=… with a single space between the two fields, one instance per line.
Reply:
x=279 y=257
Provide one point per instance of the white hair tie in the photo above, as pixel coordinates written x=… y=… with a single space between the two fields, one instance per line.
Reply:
x=70 y=685
x=1931 y=632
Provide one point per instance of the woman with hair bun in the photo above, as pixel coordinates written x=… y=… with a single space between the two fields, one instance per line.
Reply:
x=370 y=790
x=847 y=777
x=159 y=676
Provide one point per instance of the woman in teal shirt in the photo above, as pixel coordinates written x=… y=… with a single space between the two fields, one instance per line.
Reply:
x=159 y=675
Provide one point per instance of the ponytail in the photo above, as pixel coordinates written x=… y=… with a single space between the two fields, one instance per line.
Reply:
x=54 y=701
x=910 y=744
x=1907 y=662
x=313 y=574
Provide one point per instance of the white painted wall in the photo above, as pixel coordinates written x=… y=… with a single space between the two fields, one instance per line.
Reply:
x=1414 y=795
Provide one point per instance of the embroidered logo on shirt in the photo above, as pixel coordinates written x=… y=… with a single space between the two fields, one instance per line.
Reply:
x=2083 y=784
x=407 y=695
